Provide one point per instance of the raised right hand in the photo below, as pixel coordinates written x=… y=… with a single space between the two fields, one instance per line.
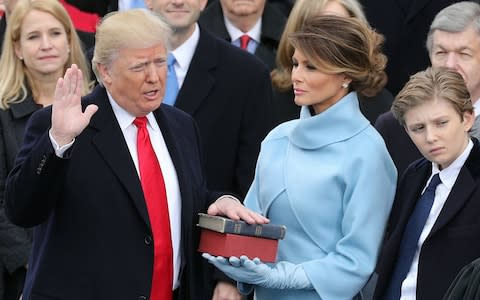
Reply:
x=68 y=119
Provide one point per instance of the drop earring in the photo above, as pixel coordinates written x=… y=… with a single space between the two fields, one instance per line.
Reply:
x=344 y=85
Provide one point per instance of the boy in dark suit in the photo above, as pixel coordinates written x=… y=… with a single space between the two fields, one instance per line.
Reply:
x=433 y=227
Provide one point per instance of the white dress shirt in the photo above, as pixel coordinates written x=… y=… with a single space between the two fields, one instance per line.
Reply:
x=254 y=34
x=448 y=176
x=184 y=54
x=476 y=108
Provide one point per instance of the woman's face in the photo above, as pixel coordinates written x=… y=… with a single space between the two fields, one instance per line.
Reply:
x=43 y=44
x=313 y=87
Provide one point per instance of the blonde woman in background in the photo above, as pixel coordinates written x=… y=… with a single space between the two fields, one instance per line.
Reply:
x=286 y=109
x=40 y=42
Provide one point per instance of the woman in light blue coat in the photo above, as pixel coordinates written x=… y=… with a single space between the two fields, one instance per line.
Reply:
x=327 y=176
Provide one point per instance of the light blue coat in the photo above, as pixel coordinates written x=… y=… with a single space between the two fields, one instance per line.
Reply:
x=331 y=181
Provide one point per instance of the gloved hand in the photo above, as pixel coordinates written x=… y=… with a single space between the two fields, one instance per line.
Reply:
x=282 y=275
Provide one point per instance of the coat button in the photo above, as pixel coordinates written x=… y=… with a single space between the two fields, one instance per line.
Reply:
x=148 y=240
x=142 y=298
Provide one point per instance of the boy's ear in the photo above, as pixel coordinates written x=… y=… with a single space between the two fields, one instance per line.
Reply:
x=468 y=120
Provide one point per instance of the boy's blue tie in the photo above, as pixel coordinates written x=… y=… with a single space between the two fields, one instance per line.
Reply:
x=410 y=237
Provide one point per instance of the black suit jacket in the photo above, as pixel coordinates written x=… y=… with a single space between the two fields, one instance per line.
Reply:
x=273 y=22
x=405 y=24
x=92 y=235
x=228 y=93
x=98 y=7
x=401 y=148
x=15 y=242
x=453 y=241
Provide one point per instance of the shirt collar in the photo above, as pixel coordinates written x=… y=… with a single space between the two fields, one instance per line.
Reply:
x=449 y=175
x=184 y=53
x=235 y=33
x=476 y=107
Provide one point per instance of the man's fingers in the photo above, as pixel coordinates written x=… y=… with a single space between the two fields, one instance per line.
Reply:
x=213 y=209
x=251 y=217
x=78 y=90
x=90 y=111
x=59 y=92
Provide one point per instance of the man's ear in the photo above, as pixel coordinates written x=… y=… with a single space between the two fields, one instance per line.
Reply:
x=104 y=74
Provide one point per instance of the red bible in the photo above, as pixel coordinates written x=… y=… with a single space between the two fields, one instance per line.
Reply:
x=227 y=244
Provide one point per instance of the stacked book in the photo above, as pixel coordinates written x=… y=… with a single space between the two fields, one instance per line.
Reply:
x=221 y=236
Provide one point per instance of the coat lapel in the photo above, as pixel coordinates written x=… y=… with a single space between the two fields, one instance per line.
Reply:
x=112 y=147
x=415 y=7
x=462 y=189
x=273 y=23
x=212 y=19
x=199 y=80
x=415 y=182
x=172 y=136
x=405 y=200
x=459 y=195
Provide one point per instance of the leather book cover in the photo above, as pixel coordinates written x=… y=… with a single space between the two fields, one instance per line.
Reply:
x=228 y=244
x=226 y=225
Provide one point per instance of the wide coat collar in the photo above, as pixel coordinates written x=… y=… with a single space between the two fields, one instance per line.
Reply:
x=25 y=108
x=312 y=132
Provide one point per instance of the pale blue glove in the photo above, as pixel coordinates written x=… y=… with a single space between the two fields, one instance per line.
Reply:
x=282 y=275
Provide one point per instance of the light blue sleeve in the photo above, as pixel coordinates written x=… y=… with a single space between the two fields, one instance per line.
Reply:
x=370 y=189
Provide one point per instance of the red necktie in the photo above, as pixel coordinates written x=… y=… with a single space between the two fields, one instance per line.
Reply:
x=244 y=39
x=156 y=199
